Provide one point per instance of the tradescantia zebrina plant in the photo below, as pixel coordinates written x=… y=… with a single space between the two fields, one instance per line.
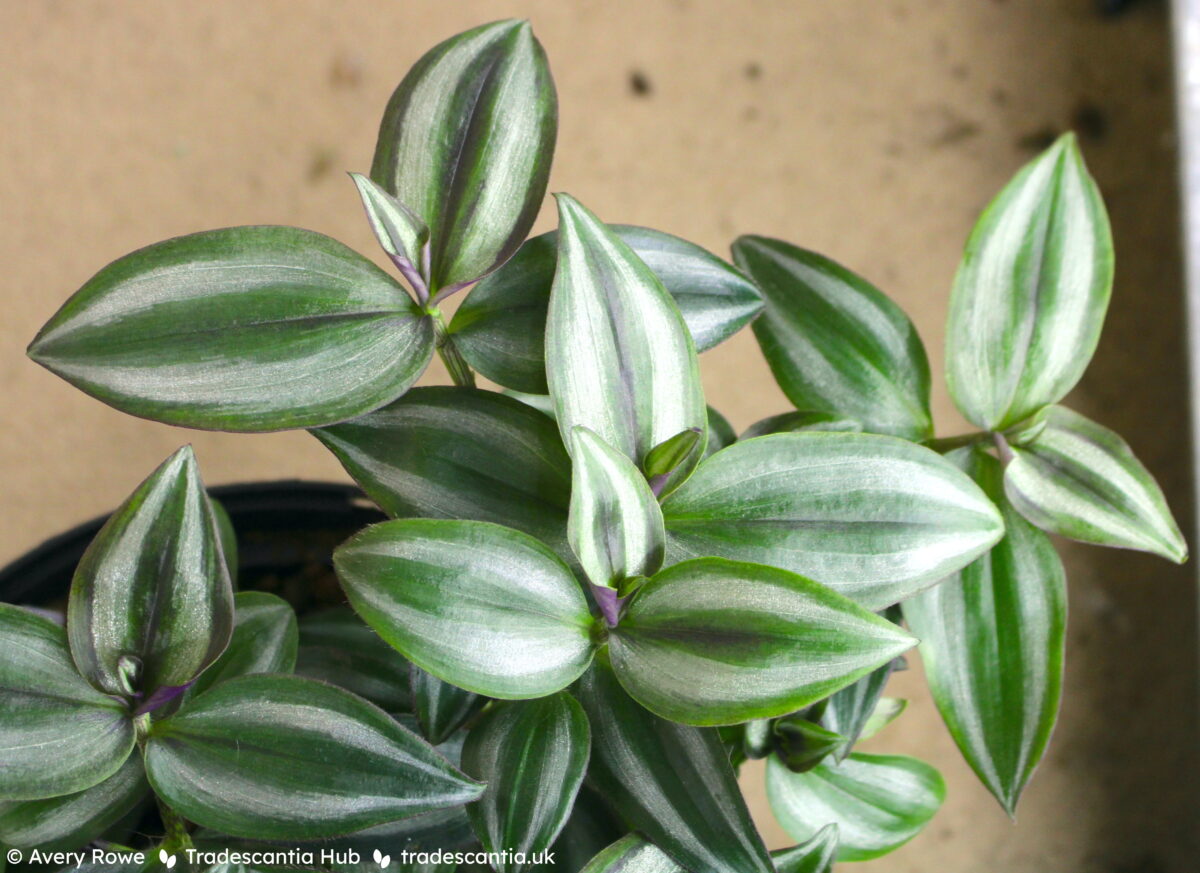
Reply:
x=593 y=602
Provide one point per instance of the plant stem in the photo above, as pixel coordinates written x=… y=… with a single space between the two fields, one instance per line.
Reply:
x=460 y=370
x=945 y=444
x=176 y=838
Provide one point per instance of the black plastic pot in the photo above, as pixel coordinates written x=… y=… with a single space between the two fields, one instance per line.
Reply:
x=286 y=530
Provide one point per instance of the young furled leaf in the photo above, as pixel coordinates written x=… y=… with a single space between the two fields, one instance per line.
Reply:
x=442 y=452
x=501 y=325
x=878 y=802
x=1031 y=293
x=58 y=735
x=532 y=755
x=802 y=744
x=1079 y=479
x=281 y=757
x=835 y=343
x=671 y=782
x=873 y=517
x=241 y=329
x=466 y=143
x=400 y=231
x=70 y=821
x=619 y=359
x=712 y=641
x=485 y=607
x=616 y=525
x=151 y=602
x=992 y=640
x=264 y=640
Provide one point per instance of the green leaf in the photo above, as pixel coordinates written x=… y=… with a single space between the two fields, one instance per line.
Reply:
x=58 y=735
x=281 y=757
x=532 y=755
x=400 y=231
x=711 y=641
x=873 y=517
x=1031 y=293
x=337 y=647
x=466 y=144
x=848 y=711
x=886 y=711
x=264 y=640
x=835 y=343
x=1079 y=479
x=672 y=782
x=70 y=821
x=793 y=422
x=441 y=708
x=242 y=329
x=464 y=453
x=151 y=602
x=632 y=854
x=501 y=325
x=592 y=827
x=618 y=357
x=481 y=606
x=615 y=525
x=878 y=802
x=814 y=856
x=720 y=432
x=992 y=641
x=228 y=537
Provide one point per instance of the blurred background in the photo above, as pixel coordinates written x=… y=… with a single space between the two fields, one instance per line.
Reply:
x=870 y=130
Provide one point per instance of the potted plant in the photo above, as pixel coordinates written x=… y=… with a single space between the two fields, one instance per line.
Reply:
x=591 y=601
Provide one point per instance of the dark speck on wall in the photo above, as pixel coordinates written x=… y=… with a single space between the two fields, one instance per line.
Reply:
x=1112 y=8
x=1039 y=139
x=752 y=71
x=321 y=164
x=1090 y=121
x=639 y=84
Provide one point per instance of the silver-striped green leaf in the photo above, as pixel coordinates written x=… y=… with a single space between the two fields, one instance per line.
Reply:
x=264 y=640
x=151 y=602
x=337 y=647
x=241 y=329
x=672 y=782
x=836 y=343
x=440 y=708
x=281 y=757
x=813 y=856
x=58 y=735
x=70 y=821
x=711 y=641
x=532 y=755
x=485 y=607
x=615 y=526
x=632 y=854
x=848 y=711
x=466 y=143
x=501 y=325
x=878 y=802
x=992 y=639
x=1079 y=479
x=400 y=231
x=1031 y=293
x=873 y=517
x=228 y=537
x=619 y=359
x=792 y=422
x=442 y=452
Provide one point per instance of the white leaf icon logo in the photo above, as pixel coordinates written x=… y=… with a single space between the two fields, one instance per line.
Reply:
x=168 y=860
x=382 y=860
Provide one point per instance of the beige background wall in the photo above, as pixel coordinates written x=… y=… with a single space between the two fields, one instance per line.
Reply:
x=871 y=130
